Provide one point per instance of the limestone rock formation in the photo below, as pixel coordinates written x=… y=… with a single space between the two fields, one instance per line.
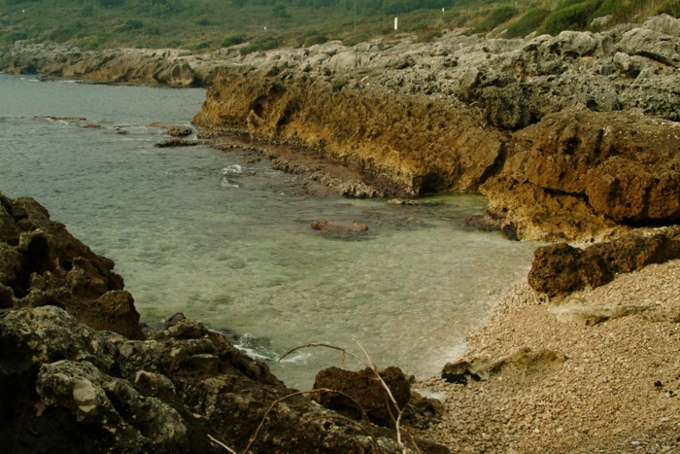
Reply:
x=578 y=172
x=456 y=114
x=42 y=264
x=171 y=67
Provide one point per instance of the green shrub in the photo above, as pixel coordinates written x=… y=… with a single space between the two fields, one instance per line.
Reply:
x=573 y=17
x=496 y=17
x=672 y=8
x=203 y=22
x=260 y=45
x=233 y=40
x=199 y=46
x=315 y=39
x=130 y=25
x=530 y=22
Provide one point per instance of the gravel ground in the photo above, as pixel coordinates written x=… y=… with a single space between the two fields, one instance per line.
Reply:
x=618 y=391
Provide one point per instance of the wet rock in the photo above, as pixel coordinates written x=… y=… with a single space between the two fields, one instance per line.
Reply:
x=404 y=202
x=339 y=227
x=484 y=223
x=179 y=131
x=171 y=143
x=561 y=269
x=366 y=390
x=41 y=264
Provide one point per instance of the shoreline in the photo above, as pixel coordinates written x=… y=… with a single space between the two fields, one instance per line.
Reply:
x=570 y=382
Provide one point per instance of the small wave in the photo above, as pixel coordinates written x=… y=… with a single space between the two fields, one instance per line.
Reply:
x=233 y=169
x=300 y=358
x=225 y=183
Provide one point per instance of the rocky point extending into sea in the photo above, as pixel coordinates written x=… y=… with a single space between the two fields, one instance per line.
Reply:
x=571 y=138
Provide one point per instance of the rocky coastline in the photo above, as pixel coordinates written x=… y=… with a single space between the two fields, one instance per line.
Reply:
x=571 y=138
x=79 y=374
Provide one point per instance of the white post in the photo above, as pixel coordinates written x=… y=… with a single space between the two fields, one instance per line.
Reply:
x=442 y=11
x=396 y=23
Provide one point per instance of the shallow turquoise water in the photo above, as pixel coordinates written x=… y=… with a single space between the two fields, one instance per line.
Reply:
x=201 y=231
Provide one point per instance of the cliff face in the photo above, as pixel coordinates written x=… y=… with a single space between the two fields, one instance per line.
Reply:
x=425 y=145
x=567 y=136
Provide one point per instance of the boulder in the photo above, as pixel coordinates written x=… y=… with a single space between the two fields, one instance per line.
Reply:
x=561 y=269
x=366 y=390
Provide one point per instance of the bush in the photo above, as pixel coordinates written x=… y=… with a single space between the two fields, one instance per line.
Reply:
x=496 y=17
x=315 y=39
x=528 y=23
x=260 y=45
x=232 y=40
x=574 y=17
x=672 y=8
x=130 y=25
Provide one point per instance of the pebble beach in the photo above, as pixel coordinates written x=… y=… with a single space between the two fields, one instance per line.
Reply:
x=616 y=389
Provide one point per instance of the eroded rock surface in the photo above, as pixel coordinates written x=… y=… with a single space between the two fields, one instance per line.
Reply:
x=70 y=388
x=568 y=136
x=42 y=264
x=561 y=269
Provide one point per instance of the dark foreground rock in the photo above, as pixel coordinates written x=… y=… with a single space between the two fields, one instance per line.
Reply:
x=561 y=269
x=66 y=386
x=69 y=388
x=366 y=391
x=42 y=264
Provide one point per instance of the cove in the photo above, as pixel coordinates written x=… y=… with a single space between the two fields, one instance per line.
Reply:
x=228 y=241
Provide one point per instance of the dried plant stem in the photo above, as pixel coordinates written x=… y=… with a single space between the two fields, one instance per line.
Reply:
x=221 y=444
x=274 y=404
x=368 y=362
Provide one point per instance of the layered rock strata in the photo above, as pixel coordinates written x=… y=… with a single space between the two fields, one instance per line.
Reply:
x=535 y=123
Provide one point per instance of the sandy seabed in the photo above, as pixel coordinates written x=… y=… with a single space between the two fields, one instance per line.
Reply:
x=617 y=391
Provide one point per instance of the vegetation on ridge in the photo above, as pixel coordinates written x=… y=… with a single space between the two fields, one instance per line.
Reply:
x=265 y=24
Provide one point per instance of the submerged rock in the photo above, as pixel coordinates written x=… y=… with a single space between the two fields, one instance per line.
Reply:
x=339 y=227
x=69 y=387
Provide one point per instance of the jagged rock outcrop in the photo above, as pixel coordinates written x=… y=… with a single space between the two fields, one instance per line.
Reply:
x=42 y=264
x=578 y=173
x=69 y=388
x=561 y=269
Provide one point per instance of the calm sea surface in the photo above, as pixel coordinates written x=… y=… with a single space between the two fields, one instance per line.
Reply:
x=200 y=231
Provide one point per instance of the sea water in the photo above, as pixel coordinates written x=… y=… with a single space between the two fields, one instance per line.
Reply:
x=228 y=241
